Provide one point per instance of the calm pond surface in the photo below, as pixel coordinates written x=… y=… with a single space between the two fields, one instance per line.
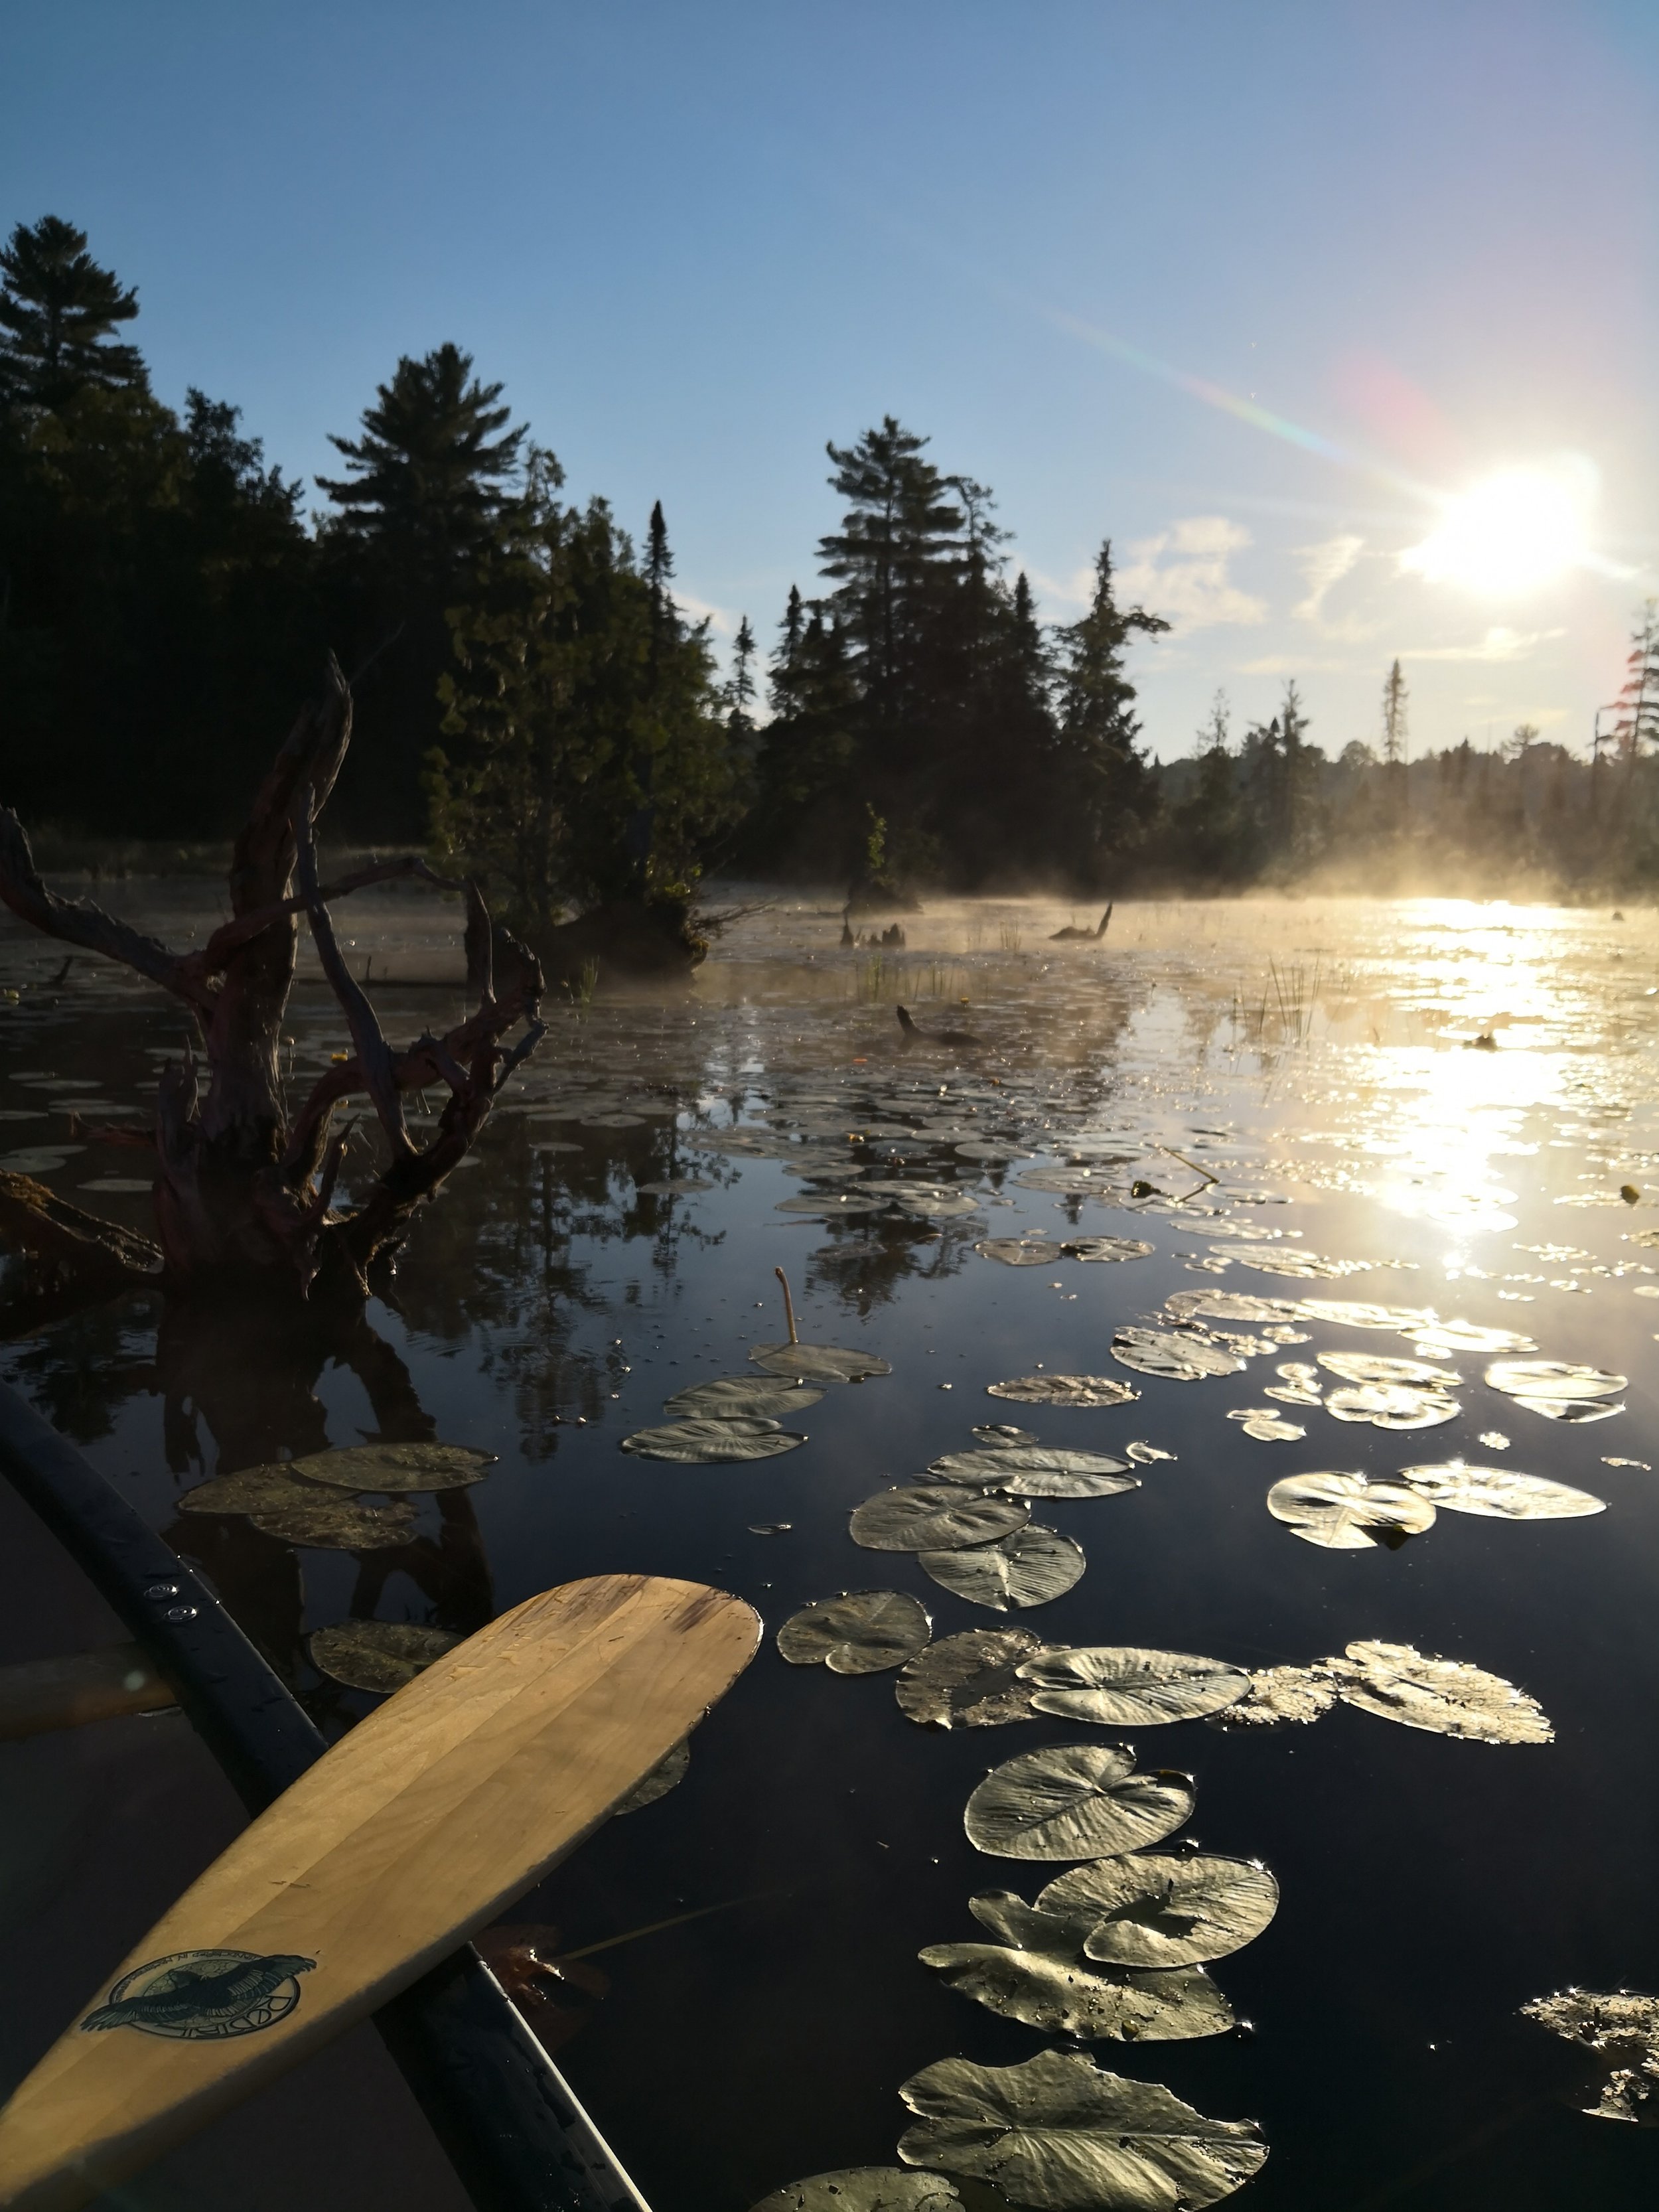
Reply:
x=1296 y=1078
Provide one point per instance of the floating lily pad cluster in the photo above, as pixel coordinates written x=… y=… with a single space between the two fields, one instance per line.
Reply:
x=1621 y=2027
x=1044 y=1252
x=323 y=1500
x=734 y=1418
x=1354 y=1512
x=1444 y=1696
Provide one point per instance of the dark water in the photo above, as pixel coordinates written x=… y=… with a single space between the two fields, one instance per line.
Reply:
x=1313 y=1061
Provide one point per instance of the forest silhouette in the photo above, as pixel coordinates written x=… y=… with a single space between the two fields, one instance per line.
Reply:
x=531 y=700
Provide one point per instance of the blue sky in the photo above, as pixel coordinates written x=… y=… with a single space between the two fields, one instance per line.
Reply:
x=696 y=240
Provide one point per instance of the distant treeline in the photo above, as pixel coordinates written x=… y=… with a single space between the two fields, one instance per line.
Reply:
x=531 y=698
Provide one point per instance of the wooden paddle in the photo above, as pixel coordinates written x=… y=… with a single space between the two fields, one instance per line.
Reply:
x=449 y=1801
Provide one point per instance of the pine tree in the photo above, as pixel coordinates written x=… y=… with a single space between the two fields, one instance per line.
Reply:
x=1208 y=825
x=659 y=568
x=1635 y=723
x=899 y=536
x=1112 y=795
x=741 y=688
x=58 y=309
x=1393 y=743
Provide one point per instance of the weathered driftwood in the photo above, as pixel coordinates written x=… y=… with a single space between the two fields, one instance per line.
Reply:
x=243 y=1185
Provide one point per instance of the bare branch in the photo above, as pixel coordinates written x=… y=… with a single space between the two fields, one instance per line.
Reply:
x=480 y=963
x=376 y=1058
x=50 y=1231
x=243 y=928
x=262 y=866
x=79 y=921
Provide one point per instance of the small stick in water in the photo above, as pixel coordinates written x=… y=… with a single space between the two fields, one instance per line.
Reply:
x=788 y=1305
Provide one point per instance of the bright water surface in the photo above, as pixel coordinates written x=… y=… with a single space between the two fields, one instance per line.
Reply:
x=1315 y=1058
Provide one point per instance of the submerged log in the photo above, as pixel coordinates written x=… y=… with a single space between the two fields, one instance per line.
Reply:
x=244 y=1181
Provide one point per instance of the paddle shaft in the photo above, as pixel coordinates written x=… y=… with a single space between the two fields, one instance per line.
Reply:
x=514 y=2131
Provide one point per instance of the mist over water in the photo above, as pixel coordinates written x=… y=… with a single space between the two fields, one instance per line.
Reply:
x=1456 y=1101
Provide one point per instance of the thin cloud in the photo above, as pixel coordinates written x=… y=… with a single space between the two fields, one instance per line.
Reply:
x=720 y=620
x=1323 y=567
x=1498 y=644
x=1182 y=573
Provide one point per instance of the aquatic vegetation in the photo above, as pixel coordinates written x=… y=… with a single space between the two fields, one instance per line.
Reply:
x=1178 y=1357
x=1074 y=1801
x=1392 y=1406
x=1279 y=1696
x=1027 y=1567
x=865 y=2188
x=1121 y=1686
x=753 y=1397
x=1064 y=1390
x=377 y=1655
x=1151 y=1909
x=712 y=1441
x=1347 y=1513
x=1622 y=2029
x=1069 y=1998
x=667 y=1774
x=1500 y=1493
x=970 y=1680
x=1445 y=1696
x=859 y=1632
x=1028 y=1471
x=933 y=1517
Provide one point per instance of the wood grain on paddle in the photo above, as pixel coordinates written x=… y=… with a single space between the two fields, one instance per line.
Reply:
x=447 y=1803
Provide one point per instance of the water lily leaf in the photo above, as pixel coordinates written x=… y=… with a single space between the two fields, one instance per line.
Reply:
x=832 y=1201
x=1231 y=1305
x=329 y=1522
x=1028 y=1471
x=755 y=1397
x=706 y=1441
x=667 y=1774
x=1553 y=1379
x=1074 y=1801
x=996 y=1435
x=1053 y=1932
x=970 y=1680
x=1346 y=1513
x=1290 y=1260
x=1292 y=1394
x=252 y=1489
x=1349 y=1313
x=1154 y=1909
x=818 y=1363
x=1392 y=1406
x=1123 y=1685
x=1064 y=1390
x=377 y=1655
x=393 y=1467
x=865 y=2188
x=1619 y=2024
x=1443 y=1695
x=1575 y=1411
x=933 y=1517
x=1376 y=1367
x=1108 y=1248
x=1264 y=1425
x=1279 y=1697
x=1439 y=1339
x=860 y=1632
x=1145 y=1455
x=1072 y=1182
x=1499 y=1493
x=1062 y=2135
x=1018 y=1251
x=1026 y=1568
x=1066 y=1999
x=1176 y=1357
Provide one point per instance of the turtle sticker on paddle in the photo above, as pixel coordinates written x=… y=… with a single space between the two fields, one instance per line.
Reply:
x=199 y=1997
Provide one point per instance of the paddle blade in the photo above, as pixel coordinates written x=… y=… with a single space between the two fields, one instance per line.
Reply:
x=446 y=1803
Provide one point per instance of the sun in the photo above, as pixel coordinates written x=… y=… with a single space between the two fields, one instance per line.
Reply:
x=1511 y=534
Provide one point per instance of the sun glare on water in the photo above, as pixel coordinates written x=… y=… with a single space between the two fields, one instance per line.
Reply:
x=1511 y=534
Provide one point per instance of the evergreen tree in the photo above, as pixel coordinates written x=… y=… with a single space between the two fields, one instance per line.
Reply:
x=1393 y=741
x=434 y=494
x=1112 y=795
x=1208 y=825
x=1635 y=723
x=58 y=310
x=659 y=568
x=740 y=691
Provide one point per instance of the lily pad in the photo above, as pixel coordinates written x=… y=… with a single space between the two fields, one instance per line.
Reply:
x=1288 y=1260
x=1175 y=1355
x=1231 y=1305
x=1028 y=1471
x=1444 y=1696
x=1108 y=1248
x=1123 y=1685
x=1063 y=1998
x=1019 y=1251
x=1145 y=1455
x=1392 y=1406
x=997 y=1435
x=1616 y=2024
x=1346 y=1513
x=1440 y=1339
x=1352 y=1313
x=394 y=1467
x=1377 y=1367
x=328 y=1522
x=1074 y=1801
x=933 y=1517
x=707 y=1442
x=1266 y=1426
x=818 y=1363
x=860 y=1632
x=252 y=1489
x=377 y=1655
x=667 y=1774
x=1553 y=1379
x=1500 y=1493
x=1028 y=1567
x=970 y=1680
x=1064 y=1390
x=1062 y=2134
x=865 y=2188
x=754 y=1397
x=1154 y=1909
x=1280 y=1697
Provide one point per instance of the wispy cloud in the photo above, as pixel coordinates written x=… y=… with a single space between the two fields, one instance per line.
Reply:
x=720 y=620
x=1182 y=573
x=1289 y=664
x=1498 y=644
x=1323 y=567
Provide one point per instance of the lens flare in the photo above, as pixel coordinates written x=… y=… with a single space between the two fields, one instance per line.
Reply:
x=1510 y=534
